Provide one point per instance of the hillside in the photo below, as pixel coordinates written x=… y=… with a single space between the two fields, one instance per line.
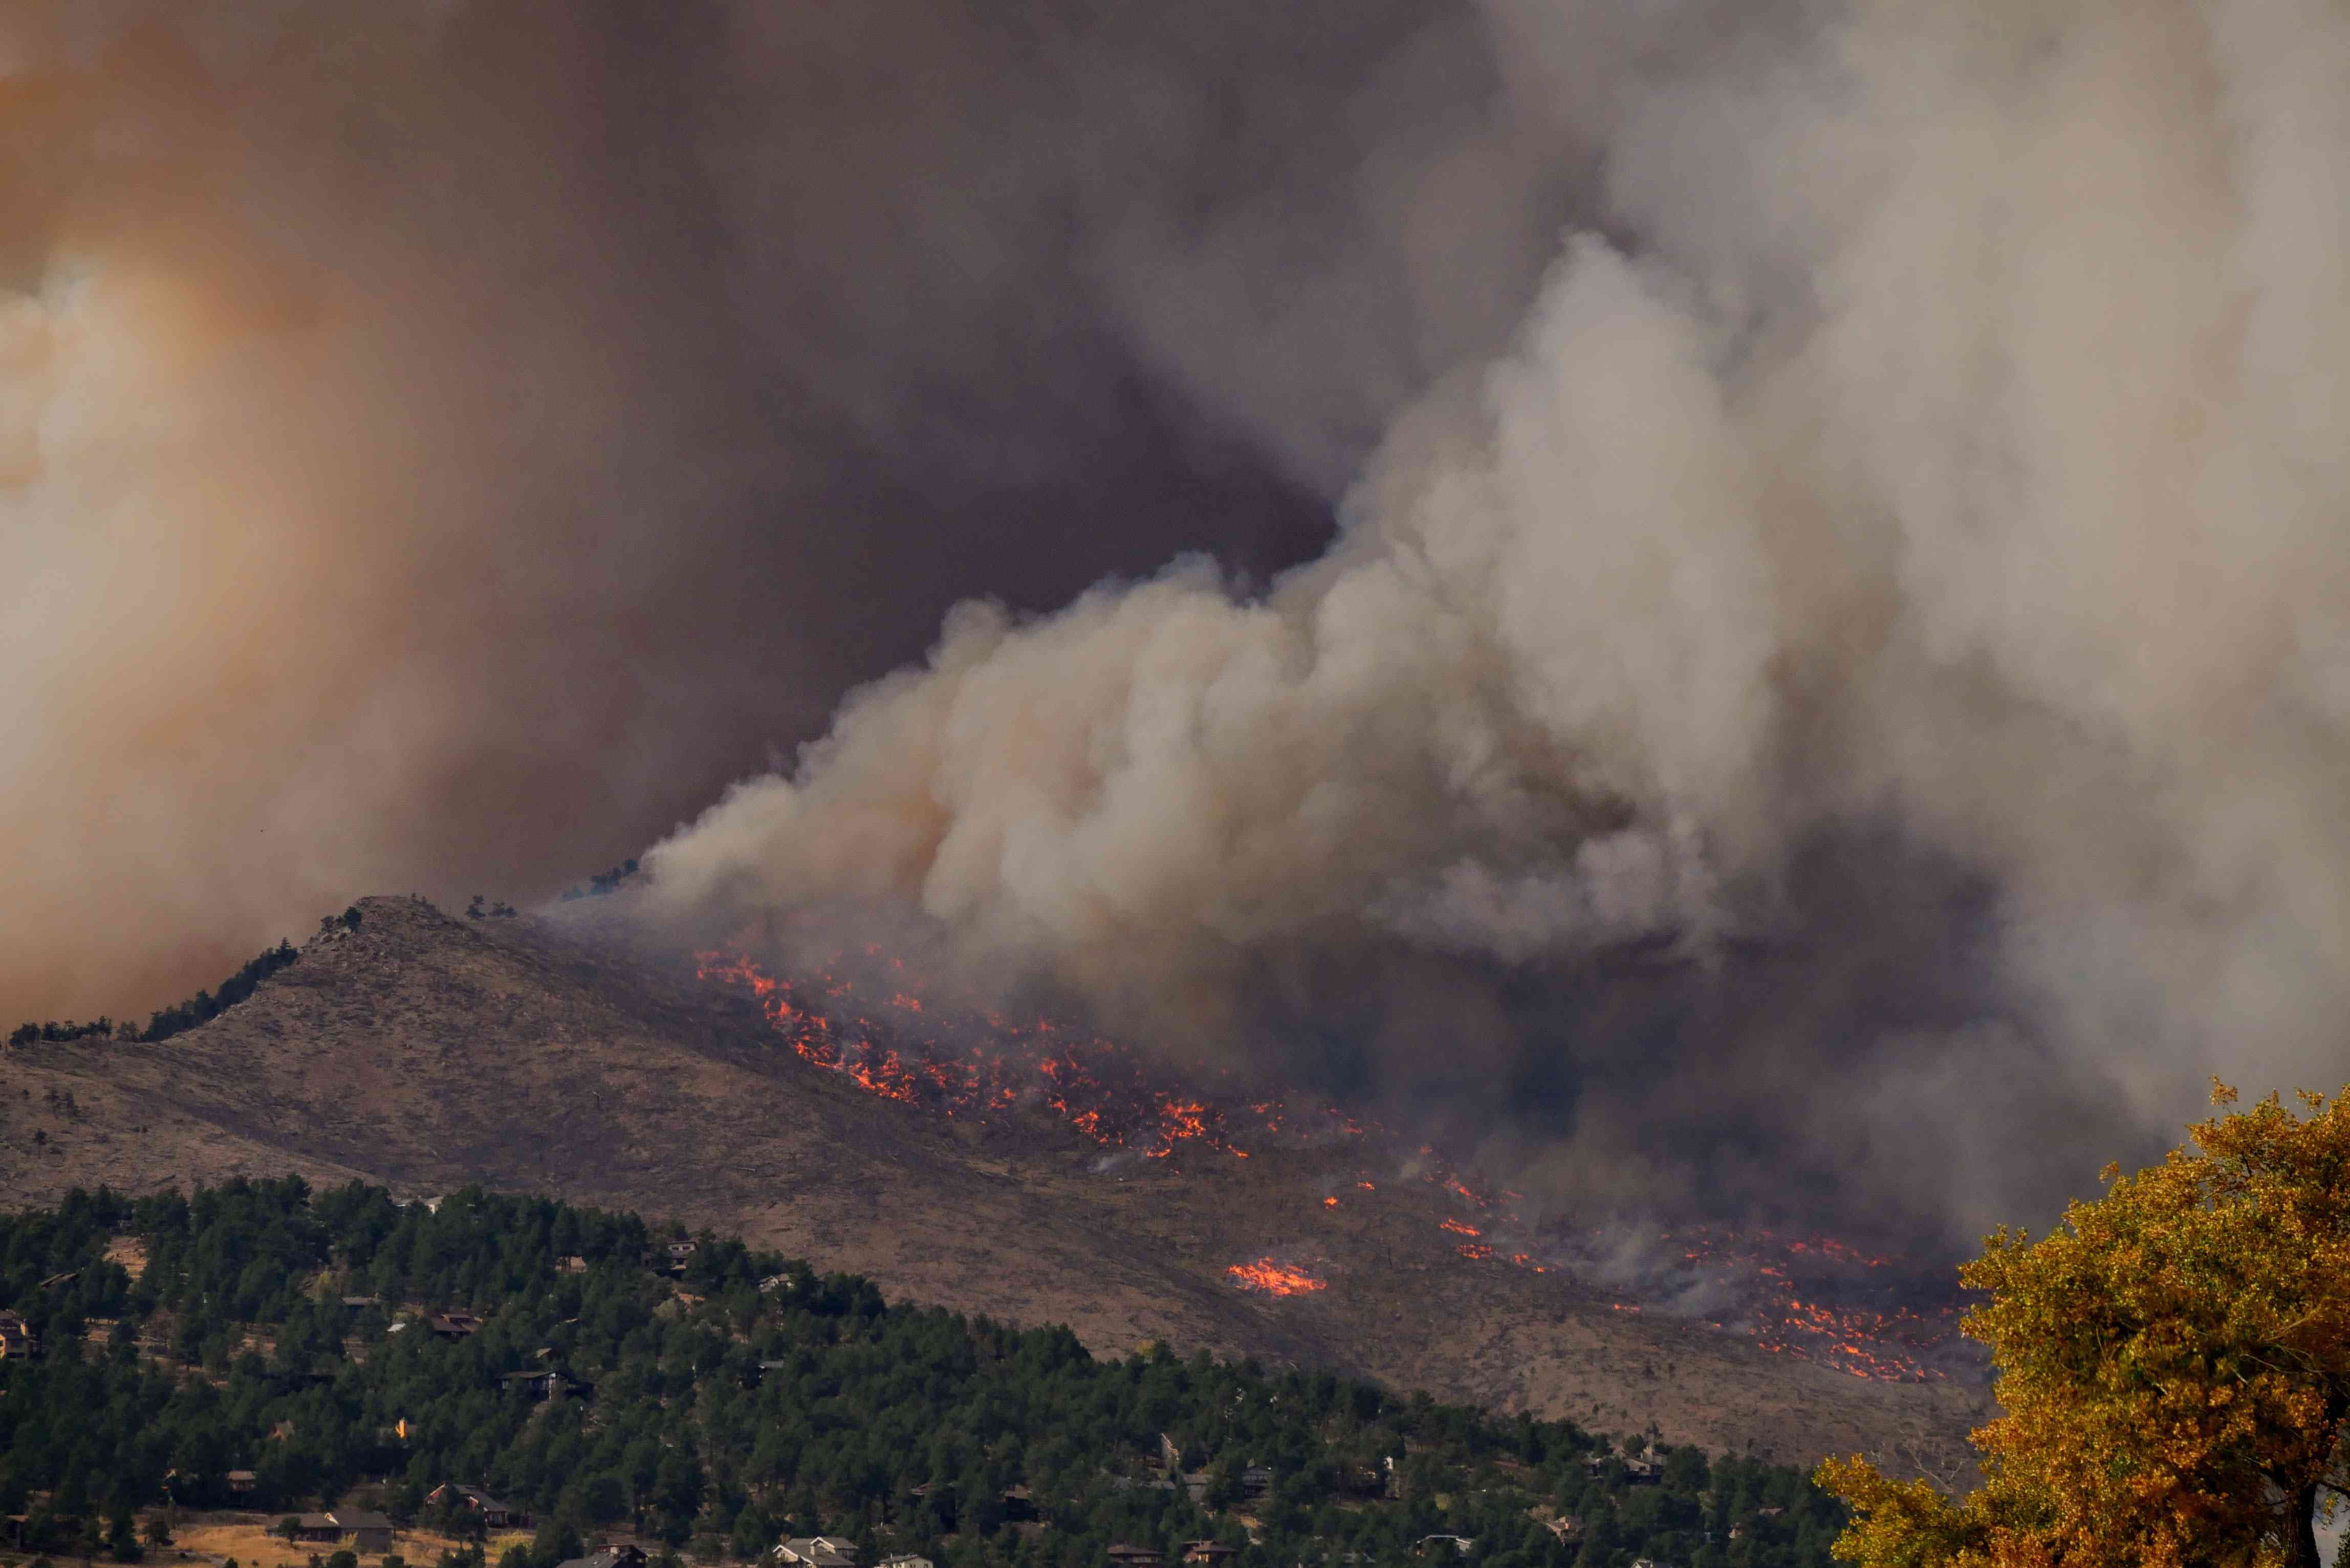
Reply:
x=425 y=1052
x=275 y=1348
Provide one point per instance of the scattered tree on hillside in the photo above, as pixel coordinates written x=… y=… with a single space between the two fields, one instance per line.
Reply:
x=2174 y=1363
x=603 y=882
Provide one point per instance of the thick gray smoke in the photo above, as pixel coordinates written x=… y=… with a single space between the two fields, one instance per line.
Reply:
x=442 y=442
x=1857 y=692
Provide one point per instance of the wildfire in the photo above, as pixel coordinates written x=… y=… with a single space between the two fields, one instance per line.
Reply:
x=971 y=1066
x=1818 y=1299
x=1814 y=1297
x=1274 y=1279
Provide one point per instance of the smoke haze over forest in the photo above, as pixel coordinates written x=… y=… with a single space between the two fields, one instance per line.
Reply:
x=1726 y=600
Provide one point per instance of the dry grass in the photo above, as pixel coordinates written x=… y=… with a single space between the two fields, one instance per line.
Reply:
x=426 y=1053
x=246 y=1538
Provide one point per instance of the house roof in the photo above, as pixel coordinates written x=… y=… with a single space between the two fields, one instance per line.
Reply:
x=359 y=1518
x=818 y=1550
x=611 y=1557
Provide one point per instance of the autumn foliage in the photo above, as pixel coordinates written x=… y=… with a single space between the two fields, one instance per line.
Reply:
x=2174 y=1367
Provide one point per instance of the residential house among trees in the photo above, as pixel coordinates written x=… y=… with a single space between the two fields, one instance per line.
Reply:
x=621 y=1556
x=363 y=1531
x=474 y=1504
x=814 y=1551
x=546 y=1383
x=16 y=1339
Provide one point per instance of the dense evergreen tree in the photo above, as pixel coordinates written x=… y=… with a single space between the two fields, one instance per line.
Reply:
x=747 y=1398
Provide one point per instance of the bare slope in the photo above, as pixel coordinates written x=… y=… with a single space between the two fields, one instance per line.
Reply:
x=426 y=1052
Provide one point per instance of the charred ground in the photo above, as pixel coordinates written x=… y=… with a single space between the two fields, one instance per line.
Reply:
x=425 y=1052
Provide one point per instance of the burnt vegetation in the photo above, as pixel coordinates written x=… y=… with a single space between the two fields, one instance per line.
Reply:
x=716 y=1399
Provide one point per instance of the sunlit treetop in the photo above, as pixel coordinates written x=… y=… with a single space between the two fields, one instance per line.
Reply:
x=2174 y=1365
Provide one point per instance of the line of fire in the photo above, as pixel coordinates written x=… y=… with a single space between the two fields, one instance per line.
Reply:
x=1815 y=1298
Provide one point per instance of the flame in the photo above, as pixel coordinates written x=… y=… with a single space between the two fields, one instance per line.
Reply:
x=1886 y=1342
x=894 y=1043
x=918 y=1053
x=1274 y=1279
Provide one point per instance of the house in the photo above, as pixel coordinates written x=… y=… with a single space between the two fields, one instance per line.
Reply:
x=1208 y=1551
x=546 y=1383
x=576 y=1264
x=16 y=1339
x=476 y=1504
x=1639 y=1469
x=360 y=1303
x=622 y=1556
x=1434 y=1545
x=906 y=1560
x=242 y=1481
x=814 y=1551
x=319 y=1529
x=1126 y=1555
x=365 y=1531
x=1566 y=1530
x=672 y=1258
x=1019 y=1505
x=756 y=1373
x=454 y=1326
x=1256 y=1483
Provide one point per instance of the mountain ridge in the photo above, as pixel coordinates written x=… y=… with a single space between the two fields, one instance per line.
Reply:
x=426 y=1053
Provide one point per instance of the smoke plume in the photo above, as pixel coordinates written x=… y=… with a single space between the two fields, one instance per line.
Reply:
x=1851 y=697
x=441 y=444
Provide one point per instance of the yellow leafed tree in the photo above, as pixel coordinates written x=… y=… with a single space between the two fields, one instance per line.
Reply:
x=2174 y=1367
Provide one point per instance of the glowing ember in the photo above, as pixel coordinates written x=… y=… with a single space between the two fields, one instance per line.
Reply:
x=1813 y=1298
x=1822 y=1299
x=969 y=1067
x=1274 y=1279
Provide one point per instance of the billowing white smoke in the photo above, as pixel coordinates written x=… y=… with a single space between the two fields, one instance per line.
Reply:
x=1955 y=434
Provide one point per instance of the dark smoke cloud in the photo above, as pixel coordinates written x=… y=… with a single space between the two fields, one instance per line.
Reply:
x=1846 y=708
x=441 y=444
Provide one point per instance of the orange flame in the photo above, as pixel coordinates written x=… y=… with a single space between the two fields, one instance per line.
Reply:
x=1274 y=1279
